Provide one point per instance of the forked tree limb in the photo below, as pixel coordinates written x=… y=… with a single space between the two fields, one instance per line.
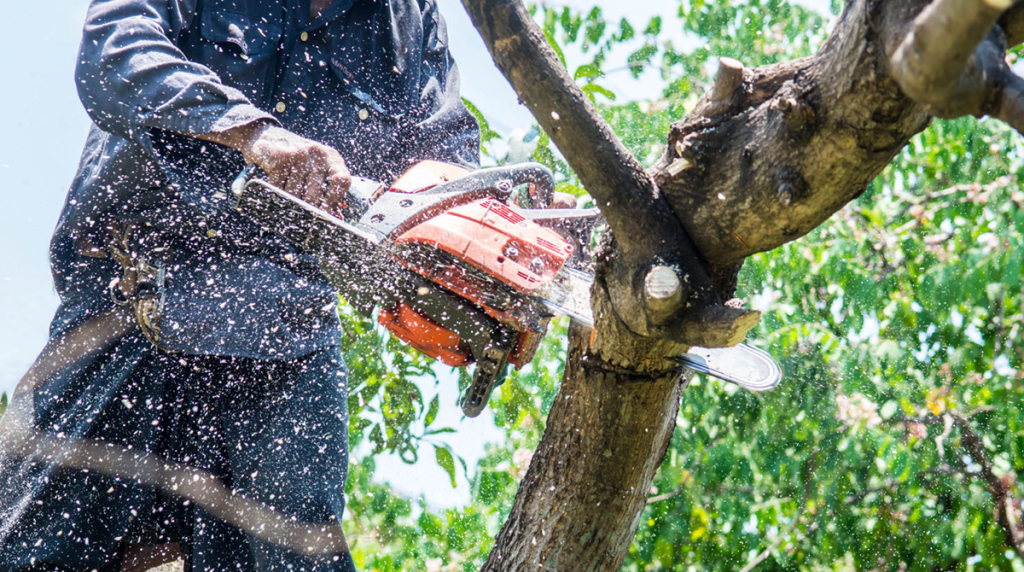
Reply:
x=647 y=233
x=799 y=140
x=769 y=154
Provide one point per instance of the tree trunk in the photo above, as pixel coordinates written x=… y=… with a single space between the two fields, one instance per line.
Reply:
x=579 y=505
x=764 y=157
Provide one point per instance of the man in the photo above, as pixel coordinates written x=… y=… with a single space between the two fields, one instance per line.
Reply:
x=192 y=400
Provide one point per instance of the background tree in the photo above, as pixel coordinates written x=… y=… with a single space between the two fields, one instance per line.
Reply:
x=762 y=159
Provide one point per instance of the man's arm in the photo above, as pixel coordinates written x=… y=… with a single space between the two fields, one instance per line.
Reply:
x=132 y=78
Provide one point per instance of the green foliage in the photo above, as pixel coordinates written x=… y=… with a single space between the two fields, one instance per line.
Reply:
x=388 y=533
x=896 y=311
x=385 y=404
x=902 y=311
x=487 y=135
x=756 y=32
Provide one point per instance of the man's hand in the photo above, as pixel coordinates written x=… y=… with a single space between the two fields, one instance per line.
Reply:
x=312 y=172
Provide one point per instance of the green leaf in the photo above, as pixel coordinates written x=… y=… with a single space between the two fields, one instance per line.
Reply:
x=555 y=46
x=626 y=31
x=640 y=57
x=592 y=88
x=570 y=24
x=440 y=431
x=445 y=461
x=486 y=133
x=653 y=27
x=3 y=403
x=588 y=71
x=595 y=27
x=377 y=438
x=435 y=403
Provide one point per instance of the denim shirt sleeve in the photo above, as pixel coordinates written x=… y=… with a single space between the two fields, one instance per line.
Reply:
x=132 y=77
x=447 y=131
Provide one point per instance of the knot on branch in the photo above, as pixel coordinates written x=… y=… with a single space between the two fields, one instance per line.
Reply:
x=790 y=186
x=797 y=110
x=671 y=302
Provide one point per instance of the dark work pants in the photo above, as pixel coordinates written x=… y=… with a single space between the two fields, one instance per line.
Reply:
x=275 y=432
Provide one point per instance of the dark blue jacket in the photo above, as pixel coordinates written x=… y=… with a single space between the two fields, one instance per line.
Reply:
x=371 y=78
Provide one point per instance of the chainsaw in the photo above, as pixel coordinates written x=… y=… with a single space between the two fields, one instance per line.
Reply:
x=465 y=266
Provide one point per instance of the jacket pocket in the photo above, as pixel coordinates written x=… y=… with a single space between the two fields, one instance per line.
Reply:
x=239 y=48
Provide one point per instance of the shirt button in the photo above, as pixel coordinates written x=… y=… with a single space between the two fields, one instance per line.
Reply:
x=304 y=36
x=363 y=114
x=280 y=107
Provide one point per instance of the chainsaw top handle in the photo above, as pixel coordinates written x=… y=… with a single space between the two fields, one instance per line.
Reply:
x=395 y=212
x=495 y=181
x=504 y=179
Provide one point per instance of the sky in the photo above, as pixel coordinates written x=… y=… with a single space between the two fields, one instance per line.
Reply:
x=43 y=128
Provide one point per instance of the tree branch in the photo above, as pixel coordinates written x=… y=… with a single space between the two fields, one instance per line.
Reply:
x=791 y=148
x=1007 y=516
x=764 y=157
x=644 y=226
x=931 y=63
x=1010 y=107
x=728 y=83
x=1012 y=23
x=1002 y=500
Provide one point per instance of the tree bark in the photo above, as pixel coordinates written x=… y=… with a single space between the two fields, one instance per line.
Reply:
x=579 y=505
x=765 y=157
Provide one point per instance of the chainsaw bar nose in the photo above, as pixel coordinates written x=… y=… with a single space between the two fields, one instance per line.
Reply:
x=746 y=366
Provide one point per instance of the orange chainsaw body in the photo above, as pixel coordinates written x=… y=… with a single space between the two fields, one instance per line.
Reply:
x=487 y=241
